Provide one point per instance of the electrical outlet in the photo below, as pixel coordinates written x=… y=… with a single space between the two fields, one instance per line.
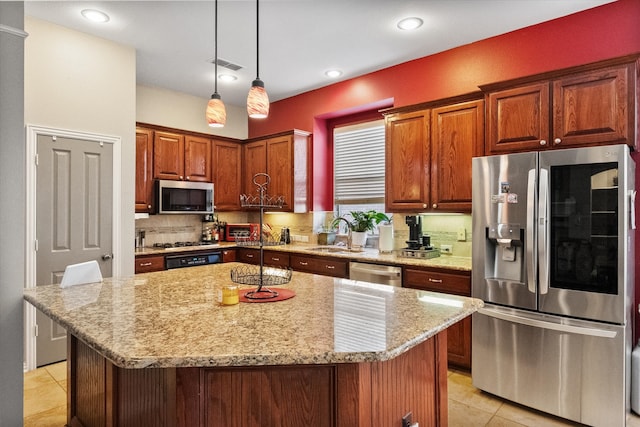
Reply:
x=406 y=420
x=303 y=238
x=446 y=249
x=462 y=235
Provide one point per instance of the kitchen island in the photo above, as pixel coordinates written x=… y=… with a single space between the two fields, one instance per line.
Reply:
x=156 y=349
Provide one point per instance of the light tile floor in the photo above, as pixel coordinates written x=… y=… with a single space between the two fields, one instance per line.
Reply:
x=470 y=407
x=45 y=396
x=45 y=403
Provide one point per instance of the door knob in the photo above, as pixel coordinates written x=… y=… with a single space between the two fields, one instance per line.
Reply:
x=107 y=257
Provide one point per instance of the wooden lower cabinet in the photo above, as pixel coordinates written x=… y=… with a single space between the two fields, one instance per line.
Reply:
x=326 y=266
x=147 y=264
x=229 y=255
x=271 y=258
x=459 y=334
x=100 y=394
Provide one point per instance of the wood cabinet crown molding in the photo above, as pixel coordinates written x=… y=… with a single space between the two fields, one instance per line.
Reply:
x=563 y=72
x=471 y=96
x=295 y=132
x=160 y=128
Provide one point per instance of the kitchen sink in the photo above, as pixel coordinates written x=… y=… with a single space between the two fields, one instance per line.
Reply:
x=331 y=249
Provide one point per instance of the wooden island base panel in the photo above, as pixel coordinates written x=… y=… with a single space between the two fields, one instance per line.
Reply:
x=367 y=394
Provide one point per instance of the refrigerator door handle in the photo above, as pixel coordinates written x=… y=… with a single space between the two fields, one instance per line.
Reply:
x=530 y=230
x=632 y=209
x=570 y=329
x=543 y=250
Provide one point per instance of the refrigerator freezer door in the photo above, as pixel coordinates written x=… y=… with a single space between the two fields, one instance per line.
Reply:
x=503 y=246
x=573 y=369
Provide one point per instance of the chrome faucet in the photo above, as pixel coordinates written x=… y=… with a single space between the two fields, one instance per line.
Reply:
x=337 y=221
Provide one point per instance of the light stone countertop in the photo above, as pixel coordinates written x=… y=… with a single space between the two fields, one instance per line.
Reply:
x=172 y=319
x=367 y=255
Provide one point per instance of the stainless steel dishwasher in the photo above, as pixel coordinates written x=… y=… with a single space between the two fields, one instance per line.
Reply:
x=375 y=273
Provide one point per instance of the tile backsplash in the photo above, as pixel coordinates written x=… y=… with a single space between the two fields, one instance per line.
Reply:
x=443 y=228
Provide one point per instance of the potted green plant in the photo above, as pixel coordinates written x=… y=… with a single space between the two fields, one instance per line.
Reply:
x=360 y=223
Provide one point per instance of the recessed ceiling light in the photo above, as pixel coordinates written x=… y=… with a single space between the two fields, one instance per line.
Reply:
x=410 y=23
x=333 y=73
x=95 y=15
x=227 y=77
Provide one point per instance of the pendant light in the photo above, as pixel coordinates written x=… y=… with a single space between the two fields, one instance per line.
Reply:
x=216 y=112
x=257 y=100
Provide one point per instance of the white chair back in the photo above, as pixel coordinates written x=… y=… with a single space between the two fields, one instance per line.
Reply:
x=79 y=274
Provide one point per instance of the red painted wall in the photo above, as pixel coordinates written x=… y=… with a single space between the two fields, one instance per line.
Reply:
x=600 y=33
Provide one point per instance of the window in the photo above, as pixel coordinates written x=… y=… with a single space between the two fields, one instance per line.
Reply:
x=359 y=167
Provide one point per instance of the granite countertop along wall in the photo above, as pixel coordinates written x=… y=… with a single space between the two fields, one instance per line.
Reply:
x=172 y=319
x=367 y=255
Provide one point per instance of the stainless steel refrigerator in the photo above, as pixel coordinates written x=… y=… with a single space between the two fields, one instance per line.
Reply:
x=553 y=261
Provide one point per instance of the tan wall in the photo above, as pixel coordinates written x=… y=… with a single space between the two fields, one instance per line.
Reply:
x=79 y=82
x=181 y=111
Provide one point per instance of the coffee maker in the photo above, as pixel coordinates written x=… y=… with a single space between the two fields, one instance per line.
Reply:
x=415 y=231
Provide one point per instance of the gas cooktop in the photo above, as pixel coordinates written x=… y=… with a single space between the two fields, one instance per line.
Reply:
x=180 y=245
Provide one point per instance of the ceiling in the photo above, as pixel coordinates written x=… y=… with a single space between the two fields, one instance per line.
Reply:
x=299 y=39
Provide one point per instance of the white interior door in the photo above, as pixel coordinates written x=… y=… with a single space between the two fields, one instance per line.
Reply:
x=73 y=220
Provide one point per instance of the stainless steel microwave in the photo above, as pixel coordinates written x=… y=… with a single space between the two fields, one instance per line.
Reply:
x=183 y=197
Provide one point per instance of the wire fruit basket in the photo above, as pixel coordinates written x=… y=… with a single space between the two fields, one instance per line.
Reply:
x=259 y=275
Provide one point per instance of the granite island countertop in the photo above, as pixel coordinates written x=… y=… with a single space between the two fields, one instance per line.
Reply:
x=172 y=319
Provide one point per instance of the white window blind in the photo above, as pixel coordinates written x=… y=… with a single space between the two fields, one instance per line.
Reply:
x=359 y=163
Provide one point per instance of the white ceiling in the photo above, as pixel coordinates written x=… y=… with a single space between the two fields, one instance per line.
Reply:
x=299 y=39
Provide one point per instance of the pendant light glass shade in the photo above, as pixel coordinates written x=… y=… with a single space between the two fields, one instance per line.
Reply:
x=216 y=112
x=258 y=101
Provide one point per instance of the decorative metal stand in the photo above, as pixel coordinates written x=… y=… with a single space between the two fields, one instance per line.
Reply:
x=250 y=275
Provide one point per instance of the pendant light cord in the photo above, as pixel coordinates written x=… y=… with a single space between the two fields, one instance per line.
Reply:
x=257 y=39
x=215 y=49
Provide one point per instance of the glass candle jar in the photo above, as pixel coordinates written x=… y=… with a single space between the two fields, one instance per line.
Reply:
x=229 y=294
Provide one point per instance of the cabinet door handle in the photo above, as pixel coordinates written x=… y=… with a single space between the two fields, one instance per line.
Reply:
x=330 y=267
x=557 y=141
x=543 y=142
x=435 y=280
x=249 y=255
x=275 y=259
x=148 y=206
x=303 y=263
x=145 y=264
x=435 y=205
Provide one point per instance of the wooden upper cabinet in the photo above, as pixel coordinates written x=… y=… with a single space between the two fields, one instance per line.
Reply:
x=518 y=119
x=144 y=170
x=168 y=156
x=197 y=159
x=255 y=161
x=181 y=157
x=227 y=175
x=428 y=155
x=280 y=168
x=407 y=161
x=457 y=135
x=595 y=106
x=284 y=157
